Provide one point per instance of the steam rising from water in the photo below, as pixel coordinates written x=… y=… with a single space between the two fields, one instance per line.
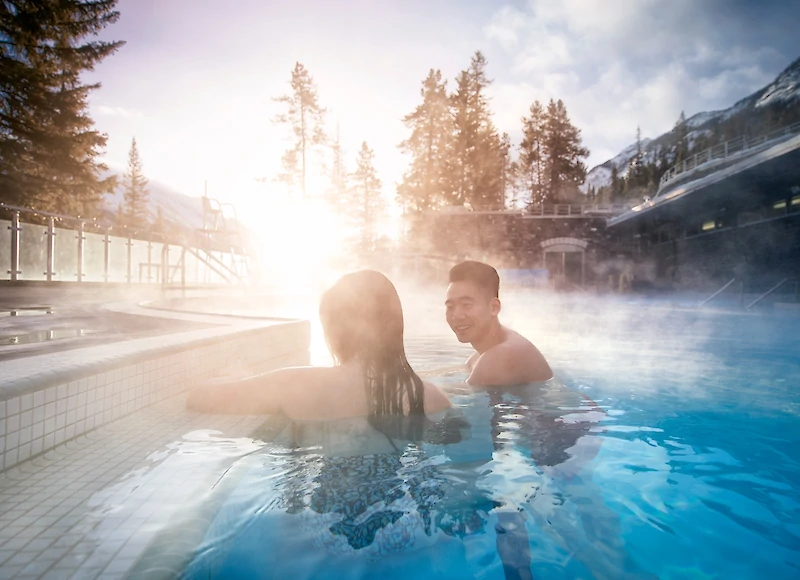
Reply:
x=628 y=345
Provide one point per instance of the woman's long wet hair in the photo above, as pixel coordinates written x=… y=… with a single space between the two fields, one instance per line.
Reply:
x=363 y=319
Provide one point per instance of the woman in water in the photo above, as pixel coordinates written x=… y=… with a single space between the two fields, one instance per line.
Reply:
x=362 y=320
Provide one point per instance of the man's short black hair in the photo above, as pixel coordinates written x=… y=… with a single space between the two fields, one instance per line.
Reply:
x=480 y=274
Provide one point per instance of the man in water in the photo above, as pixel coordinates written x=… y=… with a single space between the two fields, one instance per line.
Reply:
x=502 y=356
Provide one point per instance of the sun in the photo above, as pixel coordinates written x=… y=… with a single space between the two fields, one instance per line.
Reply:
x=301 y=245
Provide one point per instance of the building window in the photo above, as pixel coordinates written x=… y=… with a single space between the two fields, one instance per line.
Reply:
x=709 y=225
x=796 y=200
x=779 y=204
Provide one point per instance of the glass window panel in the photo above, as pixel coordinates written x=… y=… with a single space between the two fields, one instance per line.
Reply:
x=139 y=259
x=94 y=256
x=32 y=252
x=65 y=255
x=118 y=260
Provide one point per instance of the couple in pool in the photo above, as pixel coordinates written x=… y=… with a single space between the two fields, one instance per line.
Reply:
x=362 y=319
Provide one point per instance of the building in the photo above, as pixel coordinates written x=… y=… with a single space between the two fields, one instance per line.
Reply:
x=731 y=212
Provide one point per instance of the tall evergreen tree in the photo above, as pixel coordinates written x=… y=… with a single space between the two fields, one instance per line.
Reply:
x=136 y=195
x=337 y=191
x=428 y=182
x=367 y=205
x=508 y=179
x=48 y=146
x=681 y=142
x=532 y=153
x=478 y=160
x=565 y=169
x=617 y=185
x=637 y=171
x=305 y=117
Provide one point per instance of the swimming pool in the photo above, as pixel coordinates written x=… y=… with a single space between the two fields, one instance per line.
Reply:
x=668 y=448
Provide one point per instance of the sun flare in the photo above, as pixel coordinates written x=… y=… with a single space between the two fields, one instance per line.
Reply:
x=301 y=245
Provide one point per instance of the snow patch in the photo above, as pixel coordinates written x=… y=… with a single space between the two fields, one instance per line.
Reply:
x=785 y=88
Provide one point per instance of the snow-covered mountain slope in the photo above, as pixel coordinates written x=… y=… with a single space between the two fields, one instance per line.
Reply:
x=176 y=208
x=783 y=91
x=600 y=176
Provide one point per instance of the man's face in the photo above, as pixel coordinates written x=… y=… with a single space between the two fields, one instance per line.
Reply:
x=470 y=310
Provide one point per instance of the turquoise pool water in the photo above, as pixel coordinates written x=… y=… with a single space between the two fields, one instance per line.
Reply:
x=667 y=448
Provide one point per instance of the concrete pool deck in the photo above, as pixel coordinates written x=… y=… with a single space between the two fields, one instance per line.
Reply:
x=79 y=426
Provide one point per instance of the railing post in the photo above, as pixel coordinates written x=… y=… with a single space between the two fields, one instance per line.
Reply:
x=106 y=255
x=81 y=239
x=14 y=227
x=129 y=243
x=165 y=266
x=51 y=246
x=149 y=258
x=183 y=269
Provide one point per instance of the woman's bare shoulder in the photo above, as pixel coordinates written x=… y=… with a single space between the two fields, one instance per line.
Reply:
x=435 y=399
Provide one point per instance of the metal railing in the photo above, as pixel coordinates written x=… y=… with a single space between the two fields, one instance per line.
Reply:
x=733 y=147
x=772 y=290
x=718 y=292
x=85 y=250
x=574 y=210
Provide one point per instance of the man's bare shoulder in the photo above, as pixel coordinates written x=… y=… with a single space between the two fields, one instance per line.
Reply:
x=516 y=360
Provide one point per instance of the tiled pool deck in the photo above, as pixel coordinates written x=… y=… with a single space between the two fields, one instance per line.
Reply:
x=99 y=453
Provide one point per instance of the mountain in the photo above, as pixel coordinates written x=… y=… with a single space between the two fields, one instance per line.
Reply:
x=176 y=208
x=774 y=105
x=600 y=176
x=180 y=213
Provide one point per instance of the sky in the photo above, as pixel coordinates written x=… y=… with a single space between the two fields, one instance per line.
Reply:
x=195 y=80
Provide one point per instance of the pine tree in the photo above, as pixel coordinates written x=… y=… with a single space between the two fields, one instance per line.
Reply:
x=428 y=182
x=48 y=147
x=305 y=117
x=564 y=167
x=636 y=169
x=464 y=136
x=478 y=159
x=681 y=144
x=509 y=175
x=366 y=201
x=616 y=185
x=532 y=153
x=136 y=195
x=337 y=197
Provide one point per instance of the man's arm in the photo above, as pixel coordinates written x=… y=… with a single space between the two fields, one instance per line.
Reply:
x=507 y=365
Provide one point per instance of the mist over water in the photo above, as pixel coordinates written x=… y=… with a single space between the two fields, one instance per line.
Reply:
x=632 y=346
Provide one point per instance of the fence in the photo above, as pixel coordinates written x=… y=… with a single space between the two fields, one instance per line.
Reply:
x=572 y=210
x=87 y=252
x=723 y=151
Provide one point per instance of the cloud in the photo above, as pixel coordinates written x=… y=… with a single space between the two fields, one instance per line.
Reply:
x=618 y=64
x=118 y=112
x=504 y=27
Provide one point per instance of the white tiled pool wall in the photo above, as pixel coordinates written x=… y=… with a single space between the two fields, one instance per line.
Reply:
x=35 y=422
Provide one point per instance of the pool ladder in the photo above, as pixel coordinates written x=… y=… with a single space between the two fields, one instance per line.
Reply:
x=749 y=306
x=773 y=289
